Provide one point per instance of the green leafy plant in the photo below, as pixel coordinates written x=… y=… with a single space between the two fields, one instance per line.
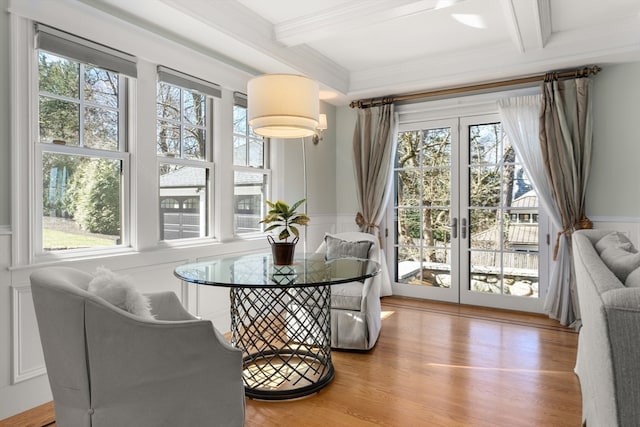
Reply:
x=284 y=218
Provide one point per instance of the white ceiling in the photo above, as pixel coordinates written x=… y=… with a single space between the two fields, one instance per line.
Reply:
x=364 y=48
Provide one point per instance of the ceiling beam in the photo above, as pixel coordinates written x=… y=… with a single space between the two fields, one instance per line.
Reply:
x=512 y=23
x=528 y=22
x=543 y=17
x=351 y=16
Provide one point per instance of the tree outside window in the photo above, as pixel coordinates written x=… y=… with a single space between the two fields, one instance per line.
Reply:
x=81 y=150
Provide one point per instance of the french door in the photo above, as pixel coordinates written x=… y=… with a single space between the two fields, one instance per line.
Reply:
x=465 y=225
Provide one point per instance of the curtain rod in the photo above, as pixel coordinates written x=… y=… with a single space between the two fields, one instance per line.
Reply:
x=576 y=73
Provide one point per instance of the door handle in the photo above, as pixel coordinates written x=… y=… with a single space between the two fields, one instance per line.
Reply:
x=463 y=228
x=454 y=228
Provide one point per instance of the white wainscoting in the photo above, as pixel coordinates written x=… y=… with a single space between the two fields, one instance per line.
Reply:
x=346 y=222
x=318 y=226
x=28 y=360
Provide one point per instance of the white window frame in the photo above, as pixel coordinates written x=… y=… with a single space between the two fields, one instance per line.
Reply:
x=241 y=101
x=27 y=151
x=212 y=92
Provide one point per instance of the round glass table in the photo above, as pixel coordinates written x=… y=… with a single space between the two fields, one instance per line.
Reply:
x=280 y=317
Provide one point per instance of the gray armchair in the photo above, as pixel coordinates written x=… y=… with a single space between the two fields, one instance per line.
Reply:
x=355 y=306
x=108 y=367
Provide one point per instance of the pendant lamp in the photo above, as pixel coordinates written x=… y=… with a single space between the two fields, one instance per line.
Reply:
x=283 y=105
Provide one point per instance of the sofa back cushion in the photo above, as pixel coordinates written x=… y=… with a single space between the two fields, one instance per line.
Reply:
x=614 y=239
x=620 y=262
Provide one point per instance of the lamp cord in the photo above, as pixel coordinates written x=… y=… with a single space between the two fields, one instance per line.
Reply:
x=304 y=180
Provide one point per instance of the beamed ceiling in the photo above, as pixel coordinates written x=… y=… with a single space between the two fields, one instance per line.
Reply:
x=365 y=48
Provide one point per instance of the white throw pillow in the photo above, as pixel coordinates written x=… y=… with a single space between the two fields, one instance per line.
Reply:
x=120 y=291
x=620 y=262
x=614 y=240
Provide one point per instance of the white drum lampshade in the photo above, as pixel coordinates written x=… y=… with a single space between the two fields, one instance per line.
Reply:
x=283 y=105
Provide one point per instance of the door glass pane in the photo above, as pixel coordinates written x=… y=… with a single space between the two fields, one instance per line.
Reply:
x=408 y=265
x=407 y=181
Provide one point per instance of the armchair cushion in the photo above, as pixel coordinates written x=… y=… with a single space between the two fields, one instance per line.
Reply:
x=338 y=248
x=347 y=296
x=120 y=291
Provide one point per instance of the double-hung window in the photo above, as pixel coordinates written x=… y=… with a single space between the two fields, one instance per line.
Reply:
x=81 y=156
x=251 y=173
x=184 y=109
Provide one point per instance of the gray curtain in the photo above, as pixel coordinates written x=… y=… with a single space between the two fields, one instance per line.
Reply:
x=372 y=154
x=373 y=150
x=566 y=140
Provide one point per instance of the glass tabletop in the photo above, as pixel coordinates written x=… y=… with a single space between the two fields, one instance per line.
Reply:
x=259 y=271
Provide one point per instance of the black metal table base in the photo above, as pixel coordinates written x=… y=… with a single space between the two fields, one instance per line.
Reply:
x=285 y=336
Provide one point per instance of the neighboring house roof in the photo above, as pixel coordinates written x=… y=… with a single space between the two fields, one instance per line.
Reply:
x=517 y=234
x=527 y=200
x=195 y=177
x=183 y=177
x=249 y=179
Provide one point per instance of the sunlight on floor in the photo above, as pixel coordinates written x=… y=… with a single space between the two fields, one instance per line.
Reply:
x=386 y=314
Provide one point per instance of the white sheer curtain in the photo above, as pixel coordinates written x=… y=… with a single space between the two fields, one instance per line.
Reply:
x=521 y=120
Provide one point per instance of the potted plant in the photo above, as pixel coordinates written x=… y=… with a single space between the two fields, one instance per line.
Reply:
x=284 y=219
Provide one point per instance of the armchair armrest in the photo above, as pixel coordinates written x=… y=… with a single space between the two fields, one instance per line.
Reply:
x=167 y=306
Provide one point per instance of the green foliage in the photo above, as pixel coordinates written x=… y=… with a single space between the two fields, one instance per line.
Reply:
x=94 y=196
x=58 y=119
x=283 y=217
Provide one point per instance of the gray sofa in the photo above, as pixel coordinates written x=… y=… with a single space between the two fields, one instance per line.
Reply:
x=607 y=269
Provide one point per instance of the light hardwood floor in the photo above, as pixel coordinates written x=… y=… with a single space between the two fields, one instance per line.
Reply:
x=435 y=364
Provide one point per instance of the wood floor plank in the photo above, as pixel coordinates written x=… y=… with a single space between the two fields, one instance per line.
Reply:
x=439 y=364
x=39 y=416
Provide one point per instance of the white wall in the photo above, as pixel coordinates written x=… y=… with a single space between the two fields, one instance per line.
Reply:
x=346 y=196
x=615 y=176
